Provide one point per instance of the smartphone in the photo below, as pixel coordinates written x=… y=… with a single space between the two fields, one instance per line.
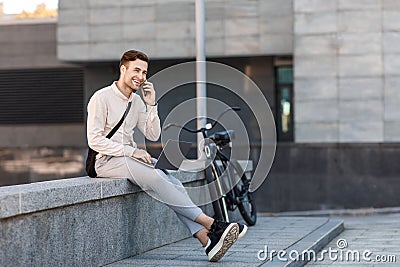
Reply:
x=141 y=87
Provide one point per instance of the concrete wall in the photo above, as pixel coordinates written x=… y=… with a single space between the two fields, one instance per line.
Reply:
x=32 y=44
x=29 y=44
x=102 y=30
x=346 y=71
x=53 y=135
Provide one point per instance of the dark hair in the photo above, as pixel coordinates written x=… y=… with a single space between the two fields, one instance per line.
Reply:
x=132 y=55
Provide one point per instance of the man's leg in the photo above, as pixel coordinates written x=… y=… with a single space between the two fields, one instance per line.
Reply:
x=217 y=237
x=156 y=183
x=170 y=191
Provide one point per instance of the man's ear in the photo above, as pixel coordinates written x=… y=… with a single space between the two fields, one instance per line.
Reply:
x=123 y=69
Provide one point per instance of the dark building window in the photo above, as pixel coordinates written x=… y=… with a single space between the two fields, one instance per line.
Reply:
x=41 y=96
x=284 y=103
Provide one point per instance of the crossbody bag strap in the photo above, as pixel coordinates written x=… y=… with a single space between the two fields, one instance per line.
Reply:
x=116 y=127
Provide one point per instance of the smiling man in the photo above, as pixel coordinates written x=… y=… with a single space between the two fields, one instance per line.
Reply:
x=115 y=159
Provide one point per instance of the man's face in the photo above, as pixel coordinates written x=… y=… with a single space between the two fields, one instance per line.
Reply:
x=135 y=73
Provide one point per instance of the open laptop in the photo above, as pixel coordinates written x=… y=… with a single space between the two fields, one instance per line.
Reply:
x=171 y=156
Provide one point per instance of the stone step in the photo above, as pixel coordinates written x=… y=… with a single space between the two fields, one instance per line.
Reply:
x=287 y=234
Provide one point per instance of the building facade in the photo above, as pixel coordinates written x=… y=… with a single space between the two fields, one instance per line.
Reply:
x=328 y=69
x=41 y=104
x=345 y=53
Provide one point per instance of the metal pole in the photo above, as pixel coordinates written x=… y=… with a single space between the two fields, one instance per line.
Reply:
x=201 y=92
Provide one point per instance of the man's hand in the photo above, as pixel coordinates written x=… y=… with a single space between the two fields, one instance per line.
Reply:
x=149 y=94
x=142 y=155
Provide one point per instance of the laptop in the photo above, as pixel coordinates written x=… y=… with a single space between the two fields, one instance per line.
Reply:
x=171 y=156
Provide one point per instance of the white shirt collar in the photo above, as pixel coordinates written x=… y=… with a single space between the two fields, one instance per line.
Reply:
x=119 y=93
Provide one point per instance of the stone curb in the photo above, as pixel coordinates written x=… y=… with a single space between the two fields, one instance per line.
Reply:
x=315 y=241
x=337 y=212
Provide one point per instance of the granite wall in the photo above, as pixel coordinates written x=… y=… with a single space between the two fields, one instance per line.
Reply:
x=85 y=222
x=346 y=71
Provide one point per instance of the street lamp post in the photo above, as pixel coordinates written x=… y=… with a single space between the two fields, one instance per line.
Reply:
x=201 y=91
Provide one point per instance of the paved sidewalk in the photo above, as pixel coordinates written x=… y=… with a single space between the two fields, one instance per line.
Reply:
x=379 y=234
x=270 y=233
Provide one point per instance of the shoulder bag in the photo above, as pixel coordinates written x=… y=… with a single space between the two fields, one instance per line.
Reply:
x=91 y=156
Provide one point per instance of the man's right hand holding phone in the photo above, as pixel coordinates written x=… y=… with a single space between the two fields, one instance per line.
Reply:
x=149 y=94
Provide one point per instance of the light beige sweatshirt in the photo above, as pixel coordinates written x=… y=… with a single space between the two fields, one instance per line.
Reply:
x=105 y=108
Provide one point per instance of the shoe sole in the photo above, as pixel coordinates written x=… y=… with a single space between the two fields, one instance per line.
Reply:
x=229 y=237
x=243 y=232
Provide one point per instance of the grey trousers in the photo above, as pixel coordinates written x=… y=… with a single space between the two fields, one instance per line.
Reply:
x=156 y=183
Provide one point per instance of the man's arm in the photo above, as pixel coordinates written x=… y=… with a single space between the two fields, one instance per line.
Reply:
x=96 y=121
x=149 y=122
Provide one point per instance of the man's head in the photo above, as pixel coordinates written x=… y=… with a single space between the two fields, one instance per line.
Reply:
x=132 y=55
x=133 y=69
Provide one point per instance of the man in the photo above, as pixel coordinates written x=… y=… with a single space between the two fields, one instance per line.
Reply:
x=116 y=155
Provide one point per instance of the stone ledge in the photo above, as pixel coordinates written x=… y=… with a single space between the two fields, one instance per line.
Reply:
x=86 y=222
x=27 y=198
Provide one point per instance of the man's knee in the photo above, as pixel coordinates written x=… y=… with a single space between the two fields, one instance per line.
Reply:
x=149 y=177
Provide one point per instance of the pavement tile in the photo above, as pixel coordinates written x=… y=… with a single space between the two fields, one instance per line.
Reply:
x=374 y=233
